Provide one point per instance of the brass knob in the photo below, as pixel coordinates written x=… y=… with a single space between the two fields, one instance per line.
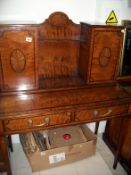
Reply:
x=47 y=120
x=30 y=122
x=68 y=113
x=96 y=113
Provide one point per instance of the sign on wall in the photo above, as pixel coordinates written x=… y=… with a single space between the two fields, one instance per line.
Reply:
x=112 y=19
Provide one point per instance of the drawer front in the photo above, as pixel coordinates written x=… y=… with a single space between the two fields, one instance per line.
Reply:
x=36 y=122
x=110 y=111
x=105 y=112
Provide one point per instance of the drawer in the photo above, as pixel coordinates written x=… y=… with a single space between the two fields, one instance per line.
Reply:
x=110 y=111
x=36 y=122
x=105 y=112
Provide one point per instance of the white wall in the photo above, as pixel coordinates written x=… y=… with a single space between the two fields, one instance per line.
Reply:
x=36 y=11
x=122 y=9
x=85 y=10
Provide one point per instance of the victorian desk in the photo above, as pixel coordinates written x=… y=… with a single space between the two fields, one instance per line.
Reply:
x=57 y=74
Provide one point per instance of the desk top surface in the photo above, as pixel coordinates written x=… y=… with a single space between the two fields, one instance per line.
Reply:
x=36 y=101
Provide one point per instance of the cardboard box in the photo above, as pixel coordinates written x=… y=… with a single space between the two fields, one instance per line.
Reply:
x=67 y=136
x=80 y=145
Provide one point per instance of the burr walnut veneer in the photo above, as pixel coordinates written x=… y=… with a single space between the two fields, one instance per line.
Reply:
x=57 y=74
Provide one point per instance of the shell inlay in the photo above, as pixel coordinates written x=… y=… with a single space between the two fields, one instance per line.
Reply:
x=17 y=61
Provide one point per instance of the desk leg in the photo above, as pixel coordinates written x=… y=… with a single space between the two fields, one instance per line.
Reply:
x=5 y=154
x=120 y=140
x=96 y=127
x=10 y=143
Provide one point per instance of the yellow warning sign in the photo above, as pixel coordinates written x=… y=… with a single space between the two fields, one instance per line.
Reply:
x=112 y=18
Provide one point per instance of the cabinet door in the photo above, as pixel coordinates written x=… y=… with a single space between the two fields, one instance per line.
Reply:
x=105 y=55
x=17 y=58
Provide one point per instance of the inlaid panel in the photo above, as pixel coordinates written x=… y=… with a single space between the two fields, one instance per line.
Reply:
x=17 y=58
x=105 y=55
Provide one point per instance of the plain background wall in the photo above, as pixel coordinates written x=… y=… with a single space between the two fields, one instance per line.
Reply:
x=39 y=10
x=78 y=10
x=122 y=9
x=36 y=11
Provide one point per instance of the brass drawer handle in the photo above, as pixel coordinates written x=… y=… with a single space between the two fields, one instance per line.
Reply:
x=109 y=112
x=46 y=123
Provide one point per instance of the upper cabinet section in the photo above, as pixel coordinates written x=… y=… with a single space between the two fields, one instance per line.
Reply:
x=17 y=59
x=58 y=54
x=104 y=47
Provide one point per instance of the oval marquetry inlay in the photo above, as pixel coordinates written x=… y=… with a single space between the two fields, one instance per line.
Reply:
x=17 y=61
x=105 y=57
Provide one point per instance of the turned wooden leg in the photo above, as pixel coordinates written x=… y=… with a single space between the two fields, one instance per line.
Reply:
x=5 y=154
x=96 y=127
x=121 y=138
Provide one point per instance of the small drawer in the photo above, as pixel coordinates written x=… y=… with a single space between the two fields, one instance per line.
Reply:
x=110 y=111
x=36 y=122
x=105 y=112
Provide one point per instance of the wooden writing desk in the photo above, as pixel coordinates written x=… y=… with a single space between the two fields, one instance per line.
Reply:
x=58 y=74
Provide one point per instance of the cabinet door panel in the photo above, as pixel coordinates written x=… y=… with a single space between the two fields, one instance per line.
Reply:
x=17 y=56
x=105 y=55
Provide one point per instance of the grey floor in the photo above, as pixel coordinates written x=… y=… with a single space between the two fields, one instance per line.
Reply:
x=98 y=164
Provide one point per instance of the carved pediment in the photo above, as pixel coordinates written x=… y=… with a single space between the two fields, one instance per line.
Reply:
x=59 y=26
x=58 y=19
